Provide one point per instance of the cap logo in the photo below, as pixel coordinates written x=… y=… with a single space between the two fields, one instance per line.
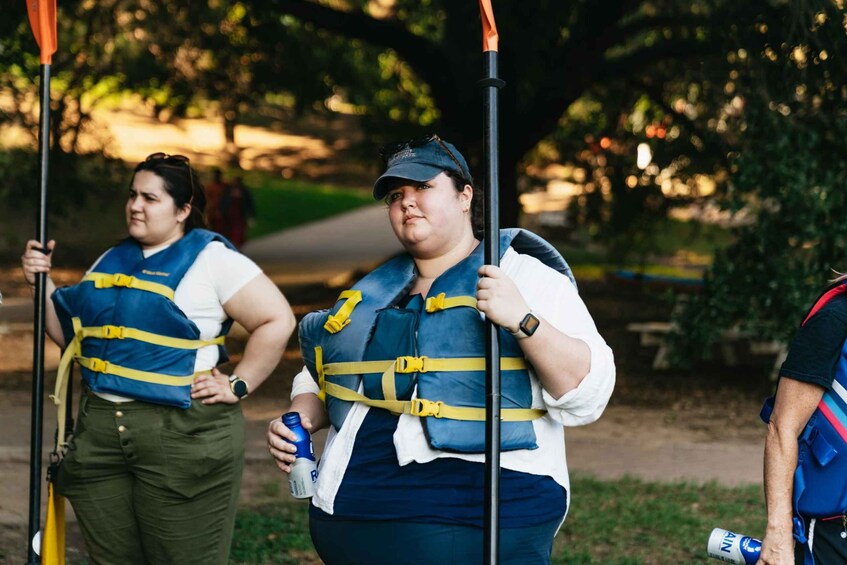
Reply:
x=405 y=153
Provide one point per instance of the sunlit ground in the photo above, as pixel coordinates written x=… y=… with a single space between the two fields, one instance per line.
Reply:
x=132 y=135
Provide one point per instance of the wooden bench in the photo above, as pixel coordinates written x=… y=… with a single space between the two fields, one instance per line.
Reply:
x=654 y=334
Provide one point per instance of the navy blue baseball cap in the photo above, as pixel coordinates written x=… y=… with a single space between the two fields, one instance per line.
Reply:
x=420 y=160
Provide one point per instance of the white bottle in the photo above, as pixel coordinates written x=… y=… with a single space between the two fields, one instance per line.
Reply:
x=730 y=547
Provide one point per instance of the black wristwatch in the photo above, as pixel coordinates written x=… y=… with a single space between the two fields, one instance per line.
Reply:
x=527 y=326
x=238 y=387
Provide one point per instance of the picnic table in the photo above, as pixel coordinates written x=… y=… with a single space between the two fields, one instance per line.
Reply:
x=654 y=334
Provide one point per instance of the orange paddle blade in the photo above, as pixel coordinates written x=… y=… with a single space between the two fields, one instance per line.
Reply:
x=42 y=20
x=489 y=27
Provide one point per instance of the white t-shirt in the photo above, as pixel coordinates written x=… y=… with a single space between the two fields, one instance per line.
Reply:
x=552 y=296
x=216 y=275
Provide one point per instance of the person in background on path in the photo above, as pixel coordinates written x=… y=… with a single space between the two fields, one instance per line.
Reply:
x=153 y=469
x=396 y=369
x=805 y=472
x=214 y=191
x=237 y=210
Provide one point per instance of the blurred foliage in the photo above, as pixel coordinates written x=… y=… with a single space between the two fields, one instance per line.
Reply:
x=740 y=100
x=576 y=71
x=85 y=204
x=789 y=173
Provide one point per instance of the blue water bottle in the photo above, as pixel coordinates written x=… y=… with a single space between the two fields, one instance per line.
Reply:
x=304 y=472
x=730 y=547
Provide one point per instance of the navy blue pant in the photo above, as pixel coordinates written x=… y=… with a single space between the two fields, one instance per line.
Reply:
x=361 y=542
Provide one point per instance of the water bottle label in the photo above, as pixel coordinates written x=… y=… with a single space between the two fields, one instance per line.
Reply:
x=302 y=479
x=730 y=547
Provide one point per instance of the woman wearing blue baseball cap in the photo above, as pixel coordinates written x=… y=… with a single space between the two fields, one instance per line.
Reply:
x=396 y=369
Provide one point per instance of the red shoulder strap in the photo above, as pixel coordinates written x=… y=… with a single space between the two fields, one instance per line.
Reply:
x=825 y=297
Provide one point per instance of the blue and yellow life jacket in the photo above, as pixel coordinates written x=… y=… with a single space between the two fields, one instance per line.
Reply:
x=122 y=327
x=820 y=480
x=440 y=349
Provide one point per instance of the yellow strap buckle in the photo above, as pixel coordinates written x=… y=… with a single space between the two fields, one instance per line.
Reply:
x=98 y=365
x=423 y=408
x=441 y=302
x=409 y=364
x=113 y=332
x=435 y=303
x=334 y=324
x=122 y=280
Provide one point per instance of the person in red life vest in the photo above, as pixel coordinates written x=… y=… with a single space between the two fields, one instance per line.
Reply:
x=397 y=370
x=237 y=209
x=805 y=471
x=153 y=468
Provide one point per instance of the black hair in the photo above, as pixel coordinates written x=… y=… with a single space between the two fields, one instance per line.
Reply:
x=477 y=206
x=182 y=183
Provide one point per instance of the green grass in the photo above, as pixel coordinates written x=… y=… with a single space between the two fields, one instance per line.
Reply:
x=634 y=522
x=691 y=237
x=623 y=522
x=681 y=249
x=282 y=203
x=277 y=533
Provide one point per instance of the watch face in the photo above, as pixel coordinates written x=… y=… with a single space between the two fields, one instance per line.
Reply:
x=239 y=388
x=529 y=324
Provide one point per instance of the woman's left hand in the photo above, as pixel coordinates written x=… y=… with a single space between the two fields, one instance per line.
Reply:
x=212 y=389
x=499 y=299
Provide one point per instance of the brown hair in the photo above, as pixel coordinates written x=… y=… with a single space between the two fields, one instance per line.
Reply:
x=477 y=207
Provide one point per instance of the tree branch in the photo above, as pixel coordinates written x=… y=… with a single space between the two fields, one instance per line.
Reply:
x=575 y=66
x=427 y=59
x=718 y=147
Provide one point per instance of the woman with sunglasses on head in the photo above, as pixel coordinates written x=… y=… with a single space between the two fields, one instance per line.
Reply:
x=153 y=469
x=396 y=369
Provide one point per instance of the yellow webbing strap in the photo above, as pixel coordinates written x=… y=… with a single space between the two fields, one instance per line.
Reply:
x=319 y=364
x=60 y=392
x=389 y=386
x=423 y=408
x=122 y=332
x=104 y=280
x=336 y=322
x=408 y=364
x=441 y=302
x=101 y=366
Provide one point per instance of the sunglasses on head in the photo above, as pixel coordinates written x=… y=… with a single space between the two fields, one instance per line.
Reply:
x=174 y=160
x=389 y=150
x=167 y=157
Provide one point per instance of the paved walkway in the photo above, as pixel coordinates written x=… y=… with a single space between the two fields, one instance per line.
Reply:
x=328 y=249
x=333 y=249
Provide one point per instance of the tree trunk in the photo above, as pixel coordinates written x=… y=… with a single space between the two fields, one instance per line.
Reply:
x=230 y=117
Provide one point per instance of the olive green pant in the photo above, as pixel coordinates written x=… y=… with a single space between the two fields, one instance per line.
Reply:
x=153 y=484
